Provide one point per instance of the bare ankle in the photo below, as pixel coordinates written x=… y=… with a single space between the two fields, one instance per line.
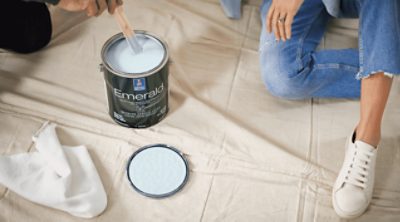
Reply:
x=370 y=136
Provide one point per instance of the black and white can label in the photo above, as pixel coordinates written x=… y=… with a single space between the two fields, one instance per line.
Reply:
x=136 y=84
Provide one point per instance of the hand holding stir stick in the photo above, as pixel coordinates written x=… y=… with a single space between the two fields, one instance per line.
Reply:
x=127 y=30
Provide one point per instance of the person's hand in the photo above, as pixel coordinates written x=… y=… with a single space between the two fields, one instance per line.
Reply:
x=73 y=5
x=280 y=17
x=92 y=7
x=96 y=7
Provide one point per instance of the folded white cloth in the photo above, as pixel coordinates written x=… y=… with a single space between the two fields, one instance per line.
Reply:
x=56 y=176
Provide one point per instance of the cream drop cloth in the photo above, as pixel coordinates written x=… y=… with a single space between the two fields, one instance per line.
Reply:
x=253 y=157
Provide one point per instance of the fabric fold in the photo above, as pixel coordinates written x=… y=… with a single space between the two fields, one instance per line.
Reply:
x=49 y=146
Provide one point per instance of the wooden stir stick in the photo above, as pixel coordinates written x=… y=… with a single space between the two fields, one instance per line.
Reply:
x=127 y=30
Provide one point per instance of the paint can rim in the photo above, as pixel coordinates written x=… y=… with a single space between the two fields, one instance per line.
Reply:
x=119 y=36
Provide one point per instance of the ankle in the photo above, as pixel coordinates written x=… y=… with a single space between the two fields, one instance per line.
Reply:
x=371 y=137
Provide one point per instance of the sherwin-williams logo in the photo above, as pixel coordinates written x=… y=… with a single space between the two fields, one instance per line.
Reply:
x=139 y=84
x=139 y=96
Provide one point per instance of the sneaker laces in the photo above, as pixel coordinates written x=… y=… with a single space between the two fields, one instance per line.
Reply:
x=357 y=173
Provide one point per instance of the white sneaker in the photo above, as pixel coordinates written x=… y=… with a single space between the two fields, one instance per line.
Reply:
x=352 y=191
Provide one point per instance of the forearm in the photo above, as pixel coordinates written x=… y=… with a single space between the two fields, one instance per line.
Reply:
x=53 y=2
x=92 y=7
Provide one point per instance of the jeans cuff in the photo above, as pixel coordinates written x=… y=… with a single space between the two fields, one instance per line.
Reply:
x=360 y=75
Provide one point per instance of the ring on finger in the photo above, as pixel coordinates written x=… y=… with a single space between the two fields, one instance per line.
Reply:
x=281 y=20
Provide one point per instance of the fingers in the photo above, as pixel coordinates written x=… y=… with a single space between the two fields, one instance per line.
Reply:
x=84 y=4
x=288 y=26
x=275 y=25
x=92 y=9
x=281 y=26
x=101 y=5
x=112 y=4
x=269 y=18
x=280 y=22
x=97 y=7
x=78 y=5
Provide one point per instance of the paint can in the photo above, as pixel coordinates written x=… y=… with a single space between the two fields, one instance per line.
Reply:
x=136 y=84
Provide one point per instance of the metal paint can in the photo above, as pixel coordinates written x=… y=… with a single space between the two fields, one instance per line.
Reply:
x=136 y=99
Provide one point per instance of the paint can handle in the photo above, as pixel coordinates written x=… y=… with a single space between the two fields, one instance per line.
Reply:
x=101 y=67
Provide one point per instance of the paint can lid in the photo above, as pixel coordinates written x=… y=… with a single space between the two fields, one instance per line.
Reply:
x=157 y=170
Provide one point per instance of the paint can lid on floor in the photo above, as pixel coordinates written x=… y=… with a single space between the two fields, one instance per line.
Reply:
x=157 y=170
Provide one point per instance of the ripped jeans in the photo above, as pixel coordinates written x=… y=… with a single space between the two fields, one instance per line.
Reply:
x=295 y=70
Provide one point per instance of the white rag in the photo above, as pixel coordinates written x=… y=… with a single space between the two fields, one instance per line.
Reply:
x=56 y=176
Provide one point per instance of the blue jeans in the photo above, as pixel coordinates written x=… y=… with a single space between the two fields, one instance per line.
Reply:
x=295 y=70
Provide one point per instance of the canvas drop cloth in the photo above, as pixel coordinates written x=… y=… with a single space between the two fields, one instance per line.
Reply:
x=253 y=157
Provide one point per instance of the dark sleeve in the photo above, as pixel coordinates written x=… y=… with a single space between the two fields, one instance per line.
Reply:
x=53 y=2
x=27 y=29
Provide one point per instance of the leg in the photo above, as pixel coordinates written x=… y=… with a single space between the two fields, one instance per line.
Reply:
x=374 y=94
x=26 y=26
x=295 y=70
x=379 y=53
x=379 y=46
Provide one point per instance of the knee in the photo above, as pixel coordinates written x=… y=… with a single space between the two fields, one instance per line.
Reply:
x=284 y=88
x=282 y=81
x=36 y=32
x=33 y=44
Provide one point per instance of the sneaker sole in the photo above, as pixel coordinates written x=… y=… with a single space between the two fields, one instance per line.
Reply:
x=345 y=215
